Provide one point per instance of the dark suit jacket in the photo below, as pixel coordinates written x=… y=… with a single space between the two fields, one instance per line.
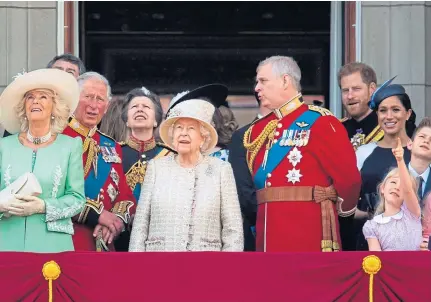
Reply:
x=245 y=186
x=425 y=193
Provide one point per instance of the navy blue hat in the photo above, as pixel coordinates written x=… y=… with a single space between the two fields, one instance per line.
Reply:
x=385 y=91
x=216 y=93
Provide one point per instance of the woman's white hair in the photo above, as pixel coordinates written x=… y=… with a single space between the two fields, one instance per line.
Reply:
x=60 y=112
x=282 y=65
x=205 y=133
x=94 y=75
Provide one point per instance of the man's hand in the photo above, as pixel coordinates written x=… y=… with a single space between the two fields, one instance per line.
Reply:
x=424 y=245
x=398 y=151
x=107 y=235
x=112 y=222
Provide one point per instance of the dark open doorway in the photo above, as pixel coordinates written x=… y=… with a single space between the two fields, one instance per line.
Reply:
x=173 y=46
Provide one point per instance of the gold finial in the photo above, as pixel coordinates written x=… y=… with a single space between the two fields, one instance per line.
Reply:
x=371 y=265
x=51 y=271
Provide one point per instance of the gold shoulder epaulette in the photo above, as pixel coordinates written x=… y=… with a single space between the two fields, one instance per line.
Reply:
x=122 y=143
x=321 y=110
x=342 y=120
x=165 y=146
x=104 y=134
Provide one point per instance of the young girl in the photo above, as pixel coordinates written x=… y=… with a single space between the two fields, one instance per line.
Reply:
x=396 y=225
x=426 y=224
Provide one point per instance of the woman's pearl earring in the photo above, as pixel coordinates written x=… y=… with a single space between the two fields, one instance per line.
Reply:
x=155 y=124
x=52 y=117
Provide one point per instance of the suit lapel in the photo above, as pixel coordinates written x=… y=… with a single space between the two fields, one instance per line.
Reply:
x=427 y=186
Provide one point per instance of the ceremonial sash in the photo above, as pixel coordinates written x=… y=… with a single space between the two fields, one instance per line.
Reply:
x=277 y=152
x=375 y=135
x=93 y=184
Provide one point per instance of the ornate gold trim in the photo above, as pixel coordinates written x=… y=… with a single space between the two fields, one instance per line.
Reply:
x=122 y=210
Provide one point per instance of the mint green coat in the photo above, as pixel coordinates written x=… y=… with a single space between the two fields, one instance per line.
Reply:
x=59 y=170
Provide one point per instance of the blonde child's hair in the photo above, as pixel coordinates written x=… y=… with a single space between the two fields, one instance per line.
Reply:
x=392 y=173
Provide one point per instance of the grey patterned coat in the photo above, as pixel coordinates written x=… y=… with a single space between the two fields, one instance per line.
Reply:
x=188 y=209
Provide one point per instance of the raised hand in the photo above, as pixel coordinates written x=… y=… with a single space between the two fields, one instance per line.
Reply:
x=398 y=151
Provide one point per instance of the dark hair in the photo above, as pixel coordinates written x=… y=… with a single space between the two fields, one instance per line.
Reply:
x=225 y=125
x=67 y=57
x=425 y=123
x=405 y=101
x=138 y=92
x=368 y=74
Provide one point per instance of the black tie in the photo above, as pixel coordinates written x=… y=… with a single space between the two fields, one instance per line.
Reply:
x=420 y=193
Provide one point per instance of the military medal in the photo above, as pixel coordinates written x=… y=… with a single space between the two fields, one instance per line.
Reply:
x=306 y=137
x=110 y=155
x=283 y=139
x=294 y=156
x=112 y=193
x=296 y=138
x=115 y=177
x=294 y=176
x=289 y=139
x=358 y=139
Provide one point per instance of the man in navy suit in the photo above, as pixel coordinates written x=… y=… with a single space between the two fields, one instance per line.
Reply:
x=420 y=162
x=244 y=182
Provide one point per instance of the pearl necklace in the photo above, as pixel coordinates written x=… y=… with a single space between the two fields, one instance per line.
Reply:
x=38 y=140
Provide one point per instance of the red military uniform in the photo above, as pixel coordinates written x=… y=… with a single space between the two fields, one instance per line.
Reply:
x=297 y=209
x=105 y=184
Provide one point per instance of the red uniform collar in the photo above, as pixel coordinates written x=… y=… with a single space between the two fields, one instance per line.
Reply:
x=141 y=146
x=81 y=129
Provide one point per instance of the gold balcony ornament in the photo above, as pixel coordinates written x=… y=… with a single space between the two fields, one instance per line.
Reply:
x=51 y=271
x=371 y=265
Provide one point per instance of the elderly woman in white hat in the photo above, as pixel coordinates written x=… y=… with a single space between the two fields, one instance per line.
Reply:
x=188 y=200
x=35 y=108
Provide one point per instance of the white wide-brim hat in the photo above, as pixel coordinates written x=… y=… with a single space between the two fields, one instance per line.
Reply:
x=61 y=82
x=199 y=110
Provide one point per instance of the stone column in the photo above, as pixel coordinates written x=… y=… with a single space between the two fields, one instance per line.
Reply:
x=396 y=36
x=28 y=37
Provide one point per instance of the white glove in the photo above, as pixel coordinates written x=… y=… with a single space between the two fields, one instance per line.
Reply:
x=26 y=206
x=4 y=205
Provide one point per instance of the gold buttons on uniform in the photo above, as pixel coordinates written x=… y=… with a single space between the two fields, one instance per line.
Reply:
x=101 y=191
x=277 y=133
x=268 y=184
x=279 y=125
x=268 y=175
x=144 y=156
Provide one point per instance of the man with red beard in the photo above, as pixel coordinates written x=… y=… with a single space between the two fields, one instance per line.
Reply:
x=303 y=166
x=358 y=82
x=110 y=202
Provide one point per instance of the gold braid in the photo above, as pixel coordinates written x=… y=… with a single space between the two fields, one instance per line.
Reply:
x=255 y=145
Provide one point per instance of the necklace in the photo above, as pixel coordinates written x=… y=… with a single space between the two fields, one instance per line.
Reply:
x=38 y=140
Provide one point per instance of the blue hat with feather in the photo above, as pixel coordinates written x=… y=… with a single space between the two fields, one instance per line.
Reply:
x=385 y=91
